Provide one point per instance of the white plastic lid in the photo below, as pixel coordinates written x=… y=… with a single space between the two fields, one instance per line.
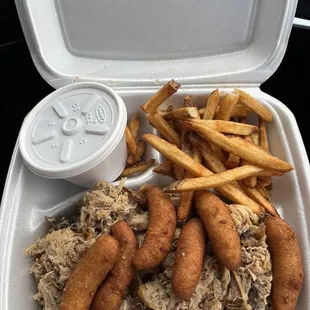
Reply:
x=72 y=130
x=144 y=43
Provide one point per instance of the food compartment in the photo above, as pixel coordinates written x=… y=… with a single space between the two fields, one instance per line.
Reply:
x=33 y=198
x=280 y=134
x=133 y=105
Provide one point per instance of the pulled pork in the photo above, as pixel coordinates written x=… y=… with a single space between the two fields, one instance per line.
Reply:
x=57 y=253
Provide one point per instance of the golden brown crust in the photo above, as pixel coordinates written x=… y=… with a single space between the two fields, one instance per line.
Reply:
x=89 y=273
x=110 y=294
x=220 y=227
x=160 y=232
x=188 y=259
x=287 y=268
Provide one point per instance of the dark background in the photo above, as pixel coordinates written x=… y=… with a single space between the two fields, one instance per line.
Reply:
x=22 y=86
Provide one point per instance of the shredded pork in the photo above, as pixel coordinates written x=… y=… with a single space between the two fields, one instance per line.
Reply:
x=57 y=253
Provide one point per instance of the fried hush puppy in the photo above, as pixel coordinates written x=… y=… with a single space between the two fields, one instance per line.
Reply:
x=220 y=228
x=89 y=274
x=110 y=294
x=160 y=231
x=188 y=262
x=287 y=268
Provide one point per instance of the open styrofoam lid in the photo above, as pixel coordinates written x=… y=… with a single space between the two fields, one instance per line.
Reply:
x=145 y=42
x=72 y=129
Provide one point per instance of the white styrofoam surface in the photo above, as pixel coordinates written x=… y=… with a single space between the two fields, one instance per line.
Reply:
x=139 y=44
x=143 y=42
x=28 y=198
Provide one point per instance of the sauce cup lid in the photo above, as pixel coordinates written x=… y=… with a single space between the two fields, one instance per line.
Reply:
x=72 y=130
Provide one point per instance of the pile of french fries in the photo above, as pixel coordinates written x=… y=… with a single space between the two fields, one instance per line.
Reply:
x=213 y=147
x=135 y=148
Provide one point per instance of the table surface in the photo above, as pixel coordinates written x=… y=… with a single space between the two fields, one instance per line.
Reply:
x=22 y=86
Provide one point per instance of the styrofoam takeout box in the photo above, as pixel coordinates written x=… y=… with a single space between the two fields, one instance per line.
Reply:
x=134 y=46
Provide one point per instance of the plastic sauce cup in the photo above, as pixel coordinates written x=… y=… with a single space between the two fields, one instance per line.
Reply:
x=76 y=133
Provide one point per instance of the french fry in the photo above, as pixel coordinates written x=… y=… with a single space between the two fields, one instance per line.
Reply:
x=186 y=199
x=178 y=126
x=131 y=144
x=171 y=123
x=264 y=144
x=211 y=105
x=174 y=124
x=239 y=110
x=241 y=148
x=202 y=112
x=215 y=149
x=134 y=125
x=188 y=101
x=173 y=153
x=261 y=188
x=227 y=126
x=211 y=158
x=185 y=147
x=196 y=155
x=254 y=105
x=219 y=179
x=255 y=137
x=263 y=138
x=254 y=194
x=178 y=172
x=226 y=107
x=185 y=143
x=232 y=161
x=132 y=160
x=219 y=152
x=165 y=169
x=163 y=94
x=163 y=112
x=164 y=128
x=182 y=114
x=140 y=148
x=141 y=167
x=251 y=181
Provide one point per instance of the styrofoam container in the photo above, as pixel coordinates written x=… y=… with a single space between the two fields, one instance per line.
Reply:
x=76 y=133
x=136 y=46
